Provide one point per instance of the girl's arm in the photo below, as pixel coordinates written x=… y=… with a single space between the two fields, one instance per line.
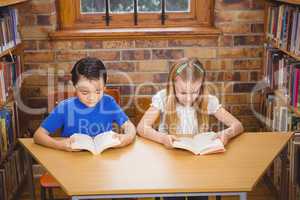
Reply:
x=41 y=136
x=235 y=127
x=129 y=136
x=146 y=130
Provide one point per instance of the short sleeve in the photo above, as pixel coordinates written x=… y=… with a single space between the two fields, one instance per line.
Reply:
x=118 y=115
x=158 y=100
x=213 y=105
x=55 y=119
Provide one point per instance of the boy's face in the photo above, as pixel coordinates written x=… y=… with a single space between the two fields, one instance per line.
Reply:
x=89 y=92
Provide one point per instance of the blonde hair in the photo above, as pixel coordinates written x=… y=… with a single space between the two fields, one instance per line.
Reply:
x=189 y=69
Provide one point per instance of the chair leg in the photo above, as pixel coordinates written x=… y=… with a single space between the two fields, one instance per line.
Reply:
x=43 y=193
x=50 y=191
x=218 y=197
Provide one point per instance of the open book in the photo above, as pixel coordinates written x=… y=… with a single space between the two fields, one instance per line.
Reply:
x=202 y=144
x=95 y=145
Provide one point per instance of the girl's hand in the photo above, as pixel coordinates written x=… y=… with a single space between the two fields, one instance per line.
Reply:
x=223 y=137
x=65 y=144
x=168 y=140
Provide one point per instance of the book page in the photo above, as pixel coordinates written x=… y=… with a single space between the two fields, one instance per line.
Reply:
x=105 y=140
x=203 y=143
x=186 y=143
x=206 y=143
x=83 y=141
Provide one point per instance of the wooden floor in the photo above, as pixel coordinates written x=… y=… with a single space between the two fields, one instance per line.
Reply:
x=261 y=192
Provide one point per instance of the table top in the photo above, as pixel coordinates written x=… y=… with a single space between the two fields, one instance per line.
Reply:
x=145 y=167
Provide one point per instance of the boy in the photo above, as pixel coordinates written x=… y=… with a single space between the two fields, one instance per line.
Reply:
x=91 y=112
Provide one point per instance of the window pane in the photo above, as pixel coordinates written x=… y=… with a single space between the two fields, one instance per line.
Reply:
x=177 y=5
x=149 y=5
x=92 y=6
x=121 y=6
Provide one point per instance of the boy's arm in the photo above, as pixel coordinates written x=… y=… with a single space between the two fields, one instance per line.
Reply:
x=146 y=130
x=129 y=134
x=41 y=136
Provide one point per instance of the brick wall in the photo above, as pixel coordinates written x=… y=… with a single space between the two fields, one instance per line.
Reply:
x=233 y=61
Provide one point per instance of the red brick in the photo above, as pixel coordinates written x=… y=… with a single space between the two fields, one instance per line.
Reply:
x=121 y=66
x=167 y=53
x=234 y=28
x=93 y=44
x=45 y=44
x=118 y=44
x=151 y=43
x=27 y=20
x=205 y=42
x=43 y=20
x=105 y=55
x=136 y=55
x=257 y=28
x=243 y=87
x=153 y=66
x=62 y=45
x=247 y=64
x=226 y=41
x=240 y=52
x=42 y=7
x=70 y=55
x=29 y=45
x=248 y=40
x=38 y=57
x=233 y=4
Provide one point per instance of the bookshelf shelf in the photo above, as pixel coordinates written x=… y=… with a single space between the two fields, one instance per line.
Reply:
x=285 y=101
x=296 y=2
x=275 y=45
x=10 y=2
x=6 y=52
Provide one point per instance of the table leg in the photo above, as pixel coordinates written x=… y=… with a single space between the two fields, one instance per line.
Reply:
x=31 y=178
x=243 y=196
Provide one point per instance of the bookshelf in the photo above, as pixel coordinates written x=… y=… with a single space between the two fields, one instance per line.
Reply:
x=296 y=2
x=13 y=159
x=11 y=2
x=281 y=97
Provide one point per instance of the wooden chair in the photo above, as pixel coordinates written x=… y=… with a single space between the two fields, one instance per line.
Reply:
x=47 y=182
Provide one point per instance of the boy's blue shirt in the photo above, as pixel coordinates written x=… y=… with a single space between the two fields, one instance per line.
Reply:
x=74 y=117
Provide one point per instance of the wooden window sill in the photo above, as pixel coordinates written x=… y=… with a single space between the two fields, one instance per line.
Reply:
x=136 y=33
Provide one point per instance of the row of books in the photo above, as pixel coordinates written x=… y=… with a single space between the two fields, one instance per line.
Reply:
x=13 y=172
x=9 y=34
x=283 y=26
x=278 y=117
x=10 y=71
x=283 y=73
x=9 y=130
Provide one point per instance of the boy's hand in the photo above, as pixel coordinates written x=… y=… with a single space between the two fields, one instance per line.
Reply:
x=223 y=137
x=125 y=139
x=168 y=140
x=65 y=144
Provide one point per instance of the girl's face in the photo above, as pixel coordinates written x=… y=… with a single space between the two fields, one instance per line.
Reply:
x=187 y=91
x=89 y=92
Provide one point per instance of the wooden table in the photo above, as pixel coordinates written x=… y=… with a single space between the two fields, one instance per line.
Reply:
x=147 y=169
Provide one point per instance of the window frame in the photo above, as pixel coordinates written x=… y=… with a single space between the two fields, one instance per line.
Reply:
x=70 y=19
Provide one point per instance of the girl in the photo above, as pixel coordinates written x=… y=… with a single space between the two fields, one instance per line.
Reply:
x=184 y=107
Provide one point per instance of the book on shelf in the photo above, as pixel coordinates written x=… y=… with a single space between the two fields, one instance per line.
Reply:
x=201 y=144
x=283 y=73
x=8 y=133
x=283 y=27
x=12 y=173
x=9 y=34
x=10 y=72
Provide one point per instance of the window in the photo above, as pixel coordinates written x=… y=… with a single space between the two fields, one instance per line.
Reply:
x=91 y=14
